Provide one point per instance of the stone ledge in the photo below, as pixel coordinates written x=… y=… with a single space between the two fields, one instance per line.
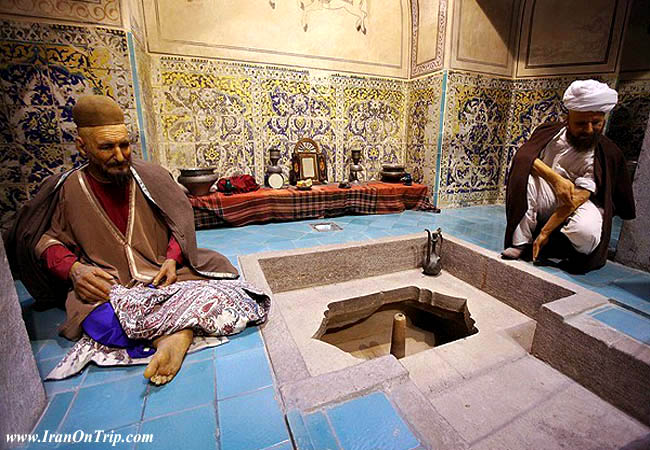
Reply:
x=600 y=358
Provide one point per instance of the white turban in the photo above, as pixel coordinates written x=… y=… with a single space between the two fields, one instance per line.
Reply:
x=590 y=95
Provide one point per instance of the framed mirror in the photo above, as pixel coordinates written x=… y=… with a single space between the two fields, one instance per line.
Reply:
x=307 y=163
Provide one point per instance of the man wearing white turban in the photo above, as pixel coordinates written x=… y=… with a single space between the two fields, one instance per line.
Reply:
x=569 y=176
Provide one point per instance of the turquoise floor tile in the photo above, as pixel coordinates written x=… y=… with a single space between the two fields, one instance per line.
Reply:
x=107 y=406
x=627 y=322
x=43 y=325
x=193 y=429
x=290 y=234
x=242 y=372
x=370 y=422
x=262 y=416
x=308 y=237
x=371 y=233
x=281 y=446
x=52 y=387
x=201 y=355
x=54 y=348
x=607 y=274
x=280 y=245
x=246 y=340
x=117 y=439
x=24 y=297
x=192 y=386
x=36 y=347
x=102 y=374
x=362 y=220
x=633 y=293
x=298 y=430
x=55 y=412
x=320 y=432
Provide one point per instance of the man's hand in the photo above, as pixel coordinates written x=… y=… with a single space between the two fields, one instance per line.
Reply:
x=167 y=272
x=91 y=284
x=562 y=213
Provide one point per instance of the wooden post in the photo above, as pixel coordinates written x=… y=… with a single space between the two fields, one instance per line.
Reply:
x=398 y=337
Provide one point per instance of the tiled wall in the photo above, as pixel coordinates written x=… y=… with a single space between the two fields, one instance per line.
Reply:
x=423 y=127
x=455 y=131
x=486 y=119
x=474 y=138
x=630 y=116
x=228 y=115
x=43 y=69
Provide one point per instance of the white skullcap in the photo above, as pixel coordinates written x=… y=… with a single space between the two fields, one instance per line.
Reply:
x=590 y=95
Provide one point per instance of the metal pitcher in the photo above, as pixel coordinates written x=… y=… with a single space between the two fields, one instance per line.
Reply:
x=433 y=264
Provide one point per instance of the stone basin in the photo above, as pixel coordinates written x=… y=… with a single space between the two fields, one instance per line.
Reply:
x=522 y=314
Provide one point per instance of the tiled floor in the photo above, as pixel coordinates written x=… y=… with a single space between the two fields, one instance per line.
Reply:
x=226 y=397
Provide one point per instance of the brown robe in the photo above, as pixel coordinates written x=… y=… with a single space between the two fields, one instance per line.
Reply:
x=73 y=216
x=614 y=189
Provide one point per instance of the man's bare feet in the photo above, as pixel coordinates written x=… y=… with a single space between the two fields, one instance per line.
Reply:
x=170 y=351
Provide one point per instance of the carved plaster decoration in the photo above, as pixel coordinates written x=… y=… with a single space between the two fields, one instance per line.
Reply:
x=358 y=8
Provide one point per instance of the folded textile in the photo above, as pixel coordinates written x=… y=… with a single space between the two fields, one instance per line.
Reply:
x=211 y=308
x=237 y=184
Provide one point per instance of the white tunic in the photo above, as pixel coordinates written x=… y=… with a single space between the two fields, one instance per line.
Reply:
x=583 y=228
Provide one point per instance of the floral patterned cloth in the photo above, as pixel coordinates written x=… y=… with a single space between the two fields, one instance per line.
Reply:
x=212 y=308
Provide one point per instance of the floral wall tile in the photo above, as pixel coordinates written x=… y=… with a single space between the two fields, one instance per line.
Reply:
x=12 y=197
x=628 y=120
x=44 y=69
x=10 y=170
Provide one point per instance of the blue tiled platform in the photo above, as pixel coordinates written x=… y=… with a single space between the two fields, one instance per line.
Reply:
x=226 y=397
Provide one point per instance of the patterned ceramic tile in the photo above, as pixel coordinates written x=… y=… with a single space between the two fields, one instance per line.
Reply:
x=211 y=127
x=20 y=31
x=40 y=161
x=70 y=83
x=67 y=35
x=66 y=55
x=117 y=84
x=229 y=158
x=178 y=128
x=93 y=11
x=12 y=197
x=629 y=118
x=72 y=157
x=180 y=155
x=44 y=69
x=374 y=124
x=286 y=98
x=36 y=124
x=6 y=135
x=10 y=171
x=21 y=53
x=25 y=85
x=474 y=139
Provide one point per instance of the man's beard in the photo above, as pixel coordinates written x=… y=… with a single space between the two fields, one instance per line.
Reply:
x=119 y=179
x=582 y=143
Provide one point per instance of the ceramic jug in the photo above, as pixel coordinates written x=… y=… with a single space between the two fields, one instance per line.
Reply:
x=433 y=264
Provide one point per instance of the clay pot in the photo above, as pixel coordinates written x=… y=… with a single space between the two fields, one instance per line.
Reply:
x=198 y=180
x=391 y=177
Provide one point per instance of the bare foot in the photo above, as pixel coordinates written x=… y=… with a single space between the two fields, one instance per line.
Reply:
x=170 y=351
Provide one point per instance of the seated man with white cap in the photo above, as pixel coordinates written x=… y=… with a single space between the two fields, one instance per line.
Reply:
x=569 y=176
